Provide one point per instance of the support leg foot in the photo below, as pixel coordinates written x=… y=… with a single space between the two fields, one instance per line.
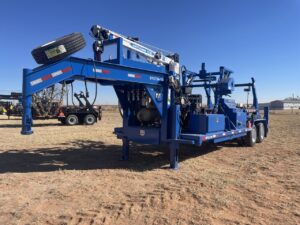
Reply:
x=125 y=149
x=26 y=125
x=174 y=156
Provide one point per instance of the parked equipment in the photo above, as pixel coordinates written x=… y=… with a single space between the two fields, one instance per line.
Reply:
x=83 y=114
x=12 y=96
x=44 y=105
x=7 y=107
x=155 y=95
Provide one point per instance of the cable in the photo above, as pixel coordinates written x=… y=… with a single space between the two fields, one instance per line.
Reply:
x=96 y=82
x=72 y=88
x=85 y=81
x=86 y=89
x=120 y=109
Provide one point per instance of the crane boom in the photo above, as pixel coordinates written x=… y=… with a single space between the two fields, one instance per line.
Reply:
x=101 y=33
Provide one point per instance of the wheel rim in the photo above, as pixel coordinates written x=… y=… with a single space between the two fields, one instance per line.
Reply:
x=262 y=132
x=72 y=120
x=90 y=120
x=253 y=135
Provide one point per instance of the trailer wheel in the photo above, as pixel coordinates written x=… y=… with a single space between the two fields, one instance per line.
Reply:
x=251 y=137
x=260 y=132
x=58 y=49
x=71 y=120
x=89 y=119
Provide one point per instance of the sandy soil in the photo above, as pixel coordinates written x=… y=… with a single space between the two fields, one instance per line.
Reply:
x=73 y=175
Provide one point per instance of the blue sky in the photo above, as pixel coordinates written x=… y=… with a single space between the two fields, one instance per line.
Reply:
x=251 y=37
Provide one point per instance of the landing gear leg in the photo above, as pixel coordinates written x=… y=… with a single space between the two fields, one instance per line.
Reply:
x=174 y=153
x=26 y=118
x=125 y=149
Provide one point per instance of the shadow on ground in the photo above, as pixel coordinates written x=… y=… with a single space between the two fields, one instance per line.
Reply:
x=34 y=125
x=88 y=155
x=6 y=119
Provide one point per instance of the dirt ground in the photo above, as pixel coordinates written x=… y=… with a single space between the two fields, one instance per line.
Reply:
x=73 y=175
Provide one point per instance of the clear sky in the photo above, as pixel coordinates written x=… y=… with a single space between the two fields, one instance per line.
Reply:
x=251 y=37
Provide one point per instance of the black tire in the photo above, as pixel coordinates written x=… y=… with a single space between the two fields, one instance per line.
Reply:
x=251 y=137
x=260 y=132
x=72 y=120
x=89 y=119
x=58 y=49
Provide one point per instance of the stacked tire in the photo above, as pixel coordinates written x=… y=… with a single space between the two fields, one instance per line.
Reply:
x=58 y=49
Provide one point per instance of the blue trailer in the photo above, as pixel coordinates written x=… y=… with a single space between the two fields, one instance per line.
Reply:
x=155 y=94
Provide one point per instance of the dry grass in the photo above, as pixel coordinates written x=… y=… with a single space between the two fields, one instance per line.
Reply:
x=72 y=175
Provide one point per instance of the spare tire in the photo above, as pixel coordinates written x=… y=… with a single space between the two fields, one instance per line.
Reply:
x=58 y=49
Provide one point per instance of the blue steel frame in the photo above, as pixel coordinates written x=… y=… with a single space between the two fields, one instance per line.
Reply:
x=127 y=76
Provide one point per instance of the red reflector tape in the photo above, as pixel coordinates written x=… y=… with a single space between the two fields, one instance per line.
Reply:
x=65 y=70
x=51 y=75
x=47 y=77
x=134 y=75
x=105 y=71
x=101 y=71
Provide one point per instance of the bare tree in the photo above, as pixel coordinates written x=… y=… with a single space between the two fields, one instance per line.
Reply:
x=46 y=103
